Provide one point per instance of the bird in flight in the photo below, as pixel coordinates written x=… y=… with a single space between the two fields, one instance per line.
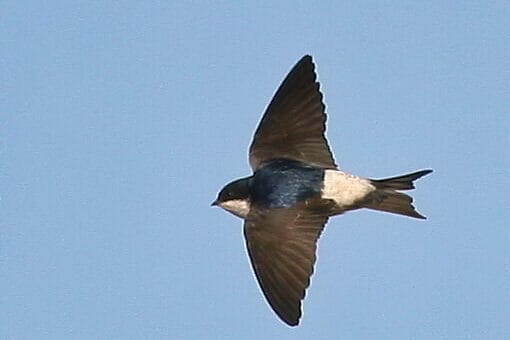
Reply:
x=295 y=187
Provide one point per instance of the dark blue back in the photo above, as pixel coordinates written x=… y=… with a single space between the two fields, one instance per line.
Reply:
x=282 y=182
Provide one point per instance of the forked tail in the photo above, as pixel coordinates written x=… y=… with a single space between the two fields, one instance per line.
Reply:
x=386 y=197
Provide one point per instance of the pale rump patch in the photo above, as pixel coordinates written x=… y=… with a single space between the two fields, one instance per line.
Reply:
x=240 y=208
x=345 y=189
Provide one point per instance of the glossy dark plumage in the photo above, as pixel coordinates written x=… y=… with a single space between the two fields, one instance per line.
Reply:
x=282 y=242
x=295 y=188
x=282 y=183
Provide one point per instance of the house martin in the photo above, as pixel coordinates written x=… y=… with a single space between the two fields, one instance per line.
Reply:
x=295 y=187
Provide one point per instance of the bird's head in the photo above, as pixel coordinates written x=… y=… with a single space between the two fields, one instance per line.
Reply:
x=235 y=197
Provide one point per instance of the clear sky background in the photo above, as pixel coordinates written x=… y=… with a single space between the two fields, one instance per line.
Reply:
x=120 y=122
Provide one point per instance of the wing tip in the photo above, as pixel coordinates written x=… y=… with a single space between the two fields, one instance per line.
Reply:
x=290 y=320
x=306 y=59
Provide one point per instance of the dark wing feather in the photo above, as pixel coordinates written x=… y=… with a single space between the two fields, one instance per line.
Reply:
x=293 y=125
x=281 y=244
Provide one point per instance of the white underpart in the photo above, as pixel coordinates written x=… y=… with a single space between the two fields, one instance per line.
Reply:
x=240 y=208
x=345 y=189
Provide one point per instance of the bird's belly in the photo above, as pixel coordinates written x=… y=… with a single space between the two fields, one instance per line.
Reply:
x=344 y=189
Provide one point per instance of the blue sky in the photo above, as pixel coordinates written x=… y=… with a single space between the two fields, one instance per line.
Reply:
x=121 y=121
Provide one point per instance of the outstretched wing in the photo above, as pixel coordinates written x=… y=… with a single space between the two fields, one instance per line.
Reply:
x=293 y=125
x=281 y=244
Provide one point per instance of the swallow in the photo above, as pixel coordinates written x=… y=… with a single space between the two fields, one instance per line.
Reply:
x=295 y=188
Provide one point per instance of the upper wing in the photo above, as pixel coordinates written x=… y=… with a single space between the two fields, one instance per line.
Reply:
x=281 y=244
x=294 y=122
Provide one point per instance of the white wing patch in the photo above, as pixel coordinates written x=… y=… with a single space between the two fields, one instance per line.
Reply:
x=345 y=189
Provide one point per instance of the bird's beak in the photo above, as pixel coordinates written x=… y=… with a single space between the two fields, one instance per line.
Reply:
x=215 y=203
